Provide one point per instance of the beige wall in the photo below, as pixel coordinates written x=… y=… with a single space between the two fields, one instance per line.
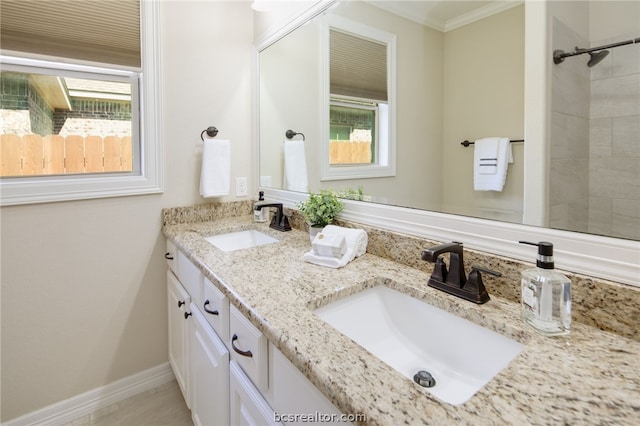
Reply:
x=418 y=115
x=290 y=98
x=83 y=284
x=484 y=96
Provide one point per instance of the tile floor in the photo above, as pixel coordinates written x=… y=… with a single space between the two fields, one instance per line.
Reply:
x=162 y=406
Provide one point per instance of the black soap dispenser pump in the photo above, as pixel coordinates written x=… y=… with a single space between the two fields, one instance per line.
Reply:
x=546 y=294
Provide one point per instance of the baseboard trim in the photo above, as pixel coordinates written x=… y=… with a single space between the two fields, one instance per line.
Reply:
x=86 y=403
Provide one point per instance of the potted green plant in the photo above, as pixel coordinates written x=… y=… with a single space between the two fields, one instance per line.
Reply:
x=320 y=209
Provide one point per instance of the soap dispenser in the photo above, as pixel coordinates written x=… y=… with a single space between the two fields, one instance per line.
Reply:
x=260 y=215
x=546 y=294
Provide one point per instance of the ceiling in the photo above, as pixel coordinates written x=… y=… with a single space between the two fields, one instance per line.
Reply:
x=445 y=15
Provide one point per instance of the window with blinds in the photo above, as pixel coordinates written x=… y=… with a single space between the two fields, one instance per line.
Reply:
x=71 y=96
x=361 y=86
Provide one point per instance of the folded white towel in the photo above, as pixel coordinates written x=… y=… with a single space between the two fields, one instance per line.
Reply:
x=485 y=156
x=331 y=262
x=356 y=239
x=295 y=166
x=495 y=181
x=215 y=175
x=329 y=245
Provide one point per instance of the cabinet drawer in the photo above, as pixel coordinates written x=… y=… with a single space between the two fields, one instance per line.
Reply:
x=215 y=307
x=189 y=275
x=170 y=256
x=248 y=348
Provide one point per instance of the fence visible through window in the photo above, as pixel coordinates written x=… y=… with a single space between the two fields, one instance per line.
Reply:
x=32 y=155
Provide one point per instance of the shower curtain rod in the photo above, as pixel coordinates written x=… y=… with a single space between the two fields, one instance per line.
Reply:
x=559 y=55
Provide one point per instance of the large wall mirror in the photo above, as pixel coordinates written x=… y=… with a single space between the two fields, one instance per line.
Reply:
x=460 y=75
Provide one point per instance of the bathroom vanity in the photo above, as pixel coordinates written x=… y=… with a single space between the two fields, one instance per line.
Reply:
x=302 y=365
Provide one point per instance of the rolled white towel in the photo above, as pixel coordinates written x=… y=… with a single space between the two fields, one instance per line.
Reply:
x=356 y=239
x=330 y=262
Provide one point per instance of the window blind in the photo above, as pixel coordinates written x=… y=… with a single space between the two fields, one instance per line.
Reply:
x=358 y=66
x=97 y=31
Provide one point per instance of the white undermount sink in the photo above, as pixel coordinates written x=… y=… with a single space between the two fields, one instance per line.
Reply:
x=410 y=335
x=240 y=240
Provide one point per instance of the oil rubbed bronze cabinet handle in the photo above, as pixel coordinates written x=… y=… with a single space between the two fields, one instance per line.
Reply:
x=206 y=302
x=168 y=256
x=180 y=303
x=187 y=315
x=235 y=348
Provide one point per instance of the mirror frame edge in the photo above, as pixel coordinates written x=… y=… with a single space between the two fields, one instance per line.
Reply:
x=603 y=257
x=584 y=254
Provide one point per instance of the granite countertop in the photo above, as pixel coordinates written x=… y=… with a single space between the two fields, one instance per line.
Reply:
x=587 y=377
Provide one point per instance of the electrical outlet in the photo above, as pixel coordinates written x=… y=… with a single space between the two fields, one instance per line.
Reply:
x=241 y=186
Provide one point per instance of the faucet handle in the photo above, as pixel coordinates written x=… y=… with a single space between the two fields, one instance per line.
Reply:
x=475 y=287
x=280 y=221
x=485 y=270
x=439 y=270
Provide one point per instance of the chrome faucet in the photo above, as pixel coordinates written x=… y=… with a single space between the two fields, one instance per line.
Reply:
x=454 y=280
x=279 y=221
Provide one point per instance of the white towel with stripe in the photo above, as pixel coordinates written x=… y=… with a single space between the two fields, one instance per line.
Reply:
x=491 y=160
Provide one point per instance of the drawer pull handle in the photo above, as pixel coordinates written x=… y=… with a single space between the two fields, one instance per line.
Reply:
x=235 y=348
x=187 y=315
x=206 y=302
x=168 y=256
x=180 y=303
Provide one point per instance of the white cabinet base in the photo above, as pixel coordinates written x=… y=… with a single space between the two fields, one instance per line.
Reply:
x=209 y=374
x=178 y=301
x=247 y=406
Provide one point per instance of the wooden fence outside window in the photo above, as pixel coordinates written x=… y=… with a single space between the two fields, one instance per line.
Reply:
x=346 y=152
x=31 y=155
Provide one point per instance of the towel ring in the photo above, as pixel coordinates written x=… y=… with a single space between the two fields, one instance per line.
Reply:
x=212 y=132
x=291 y=133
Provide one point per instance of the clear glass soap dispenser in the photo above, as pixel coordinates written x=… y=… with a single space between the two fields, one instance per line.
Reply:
x=546 y=294
x=259 y=215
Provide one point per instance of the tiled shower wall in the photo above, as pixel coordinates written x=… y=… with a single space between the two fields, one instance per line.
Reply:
x=569 y=153
x=614 y=141
x=595 y=149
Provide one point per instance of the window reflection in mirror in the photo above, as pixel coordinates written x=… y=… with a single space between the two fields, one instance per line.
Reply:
x=352 y=131
x=361 y=64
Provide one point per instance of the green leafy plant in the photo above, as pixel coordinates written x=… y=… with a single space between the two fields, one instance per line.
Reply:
x=320 y=209
x=352 y=194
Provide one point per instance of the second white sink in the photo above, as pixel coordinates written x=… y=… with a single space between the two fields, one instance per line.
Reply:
x=240 y=240
x=410 y=336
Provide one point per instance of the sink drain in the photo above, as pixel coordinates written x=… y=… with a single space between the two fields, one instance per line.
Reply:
x=424 y=379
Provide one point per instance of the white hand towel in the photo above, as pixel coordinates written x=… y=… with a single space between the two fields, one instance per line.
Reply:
x=356 y=239
x=215 y=175
x=330 y=262
x=496 y=181
x=485 y=156
x=295 y=166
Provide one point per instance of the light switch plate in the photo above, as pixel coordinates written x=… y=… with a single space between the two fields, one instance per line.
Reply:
x=241 y=186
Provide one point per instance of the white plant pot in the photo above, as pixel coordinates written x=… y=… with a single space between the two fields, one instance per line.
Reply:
x=313 y=231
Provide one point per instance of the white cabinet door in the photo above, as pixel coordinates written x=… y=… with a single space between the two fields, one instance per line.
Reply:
x=294 y=394
x=247 y=406
x=178 y=302
x=209 y=374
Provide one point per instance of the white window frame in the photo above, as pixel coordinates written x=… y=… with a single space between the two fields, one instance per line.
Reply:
x=147 y=178
x=385 y=165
